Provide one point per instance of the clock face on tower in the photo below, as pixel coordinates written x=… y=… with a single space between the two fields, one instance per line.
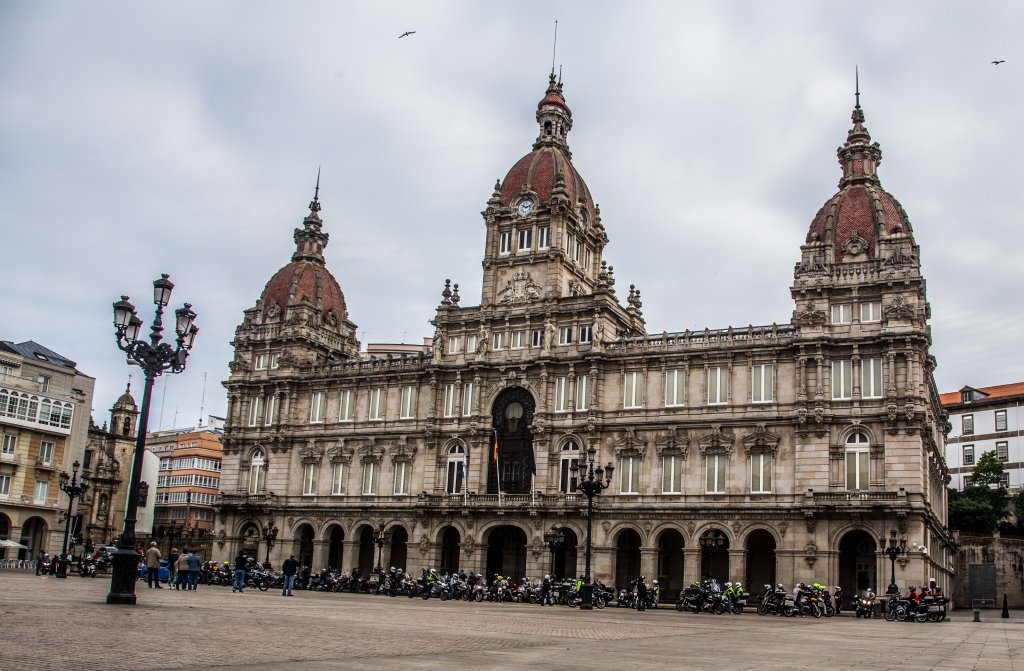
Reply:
x=525 y=207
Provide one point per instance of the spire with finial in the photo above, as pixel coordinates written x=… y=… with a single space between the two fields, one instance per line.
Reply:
x=310 y=240
x=553 y=116
x=859 y=157
x=314 y=205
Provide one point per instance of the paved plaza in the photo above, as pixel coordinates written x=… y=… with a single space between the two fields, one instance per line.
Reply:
x=60 y=625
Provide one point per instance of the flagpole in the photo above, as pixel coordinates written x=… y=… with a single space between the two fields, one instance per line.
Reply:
x=497 y=466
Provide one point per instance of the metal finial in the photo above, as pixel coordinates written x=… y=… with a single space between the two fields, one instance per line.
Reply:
x=554 y=49
x=856 y=79
x=314 y=205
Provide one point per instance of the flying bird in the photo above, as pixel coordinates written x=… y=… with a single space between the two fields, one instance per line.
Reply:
x=407 y=34
x=997 y=62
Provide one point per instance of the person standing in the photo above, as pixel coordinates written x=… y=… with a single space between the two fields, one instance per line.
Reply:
x=172 y=568
x=545 y=591
x=40 y=562
x=240 y=562
x=290 y=569
x=153 y=565
x=180 y=575
x=641 y=594
x=195 y=565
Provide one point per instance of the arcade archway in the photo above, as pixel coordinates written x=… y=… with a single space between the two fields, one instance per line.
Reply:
x=714 y=555
x=760 y=560
x=627 y=557
x=670 y=562
x=399 y=547
x=450 y=539
x=858 y=563
x=506 y=552
x=336 y=548
x=304 y=536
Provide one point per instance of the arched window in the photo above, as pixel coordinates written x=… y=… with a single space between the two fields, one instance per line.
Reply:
x=257 y=472
x=456 y=469
x=858 y=459
x=44 y=411
x=547 y=128
x=570 y=456
x=126 y=427
x=65 y=417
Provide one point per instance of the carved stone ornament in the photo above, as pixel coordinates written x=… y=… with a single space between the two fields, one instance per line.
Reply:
x=521 y=289
x=606 y=525
x=468 y=547
x=783 y=525
x=819 y=414
x=810 y=315
x=340 y=453
x=402 y=450
x=811 y=553
x=648 y=526
x=761 y=440
x=691 y=527
x=899 y=308
x=311 y=454
x=371 y=453
x=893 y=411
x=672 y=444
x=424 y=545
x=910 y=410
x=575 y=288
x=537 y=547
x=855 y=245
x=810 y=521
x=629 y=444
x=715 y=442
x=801 y=414
x=736 y=526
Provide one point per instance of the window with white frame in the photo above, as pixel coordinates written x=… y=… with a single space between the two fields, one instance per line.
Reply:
x=858 y=459
x=377 y=404
x=5 y=485
x=346 y=409
x=40 y=492
x=762 y=383
x=715 y=472
x=871 y=311
x=718 y=385
x=1000 y=420
x=518 y=340
x=543 y=237
x=309 y=479
x=760 y=473
x=254 y=410
x=871 y=377
x=6 y=373
x=842 y=313
x=842 y=379
x=565 y=335
x=269 y=410
x=570 y=244
x=1004 y=480
x=630 y=479
x=407 y=408
x=370 y=477
x=261 y=362
x=586 y=334
x=456 y=474
x=275 y=360
x=582 y=392
x=454 y=344
x=45 y=452
x=672 y=474
x=633 y=390
x=505 y=242
x=570 y=456
x=257 y=472
x=316 y=408
x=967 y=422
x=471 y=345
x=561 y=394
x=537 y=338
x=1003 y=451
x=675 y=386
x=467 y=398
x=968 y=455
x=449 y=400
x=525 y=239
x=498 y=340
x=402 y=470
x=10 y=445
x=338 y=475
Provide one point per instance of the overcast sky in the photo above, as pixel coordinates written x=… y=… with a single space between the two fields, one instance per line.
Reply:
x=140 y=138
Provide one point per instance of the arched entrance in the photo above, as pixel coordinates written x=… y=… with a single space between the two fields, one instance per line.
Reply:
x=33 y=535
x=506 y=552
x=858 y=563
x=627 y=557
x=250 y=540
x=367 y=551
x=399 y=547
x=304 y=536
x=670 y=562
x=5 y=533
x=336 y=548
x=714 y=555
x=566 y=563
x=450 y=539
x=512 y=414
x=760 y=560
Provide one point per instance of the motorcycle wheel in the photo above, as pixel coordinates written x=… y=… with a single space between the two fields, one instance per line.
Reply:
x=679 y=606
x=479 y=597
x=890 y=615
x=738 y=609
x=934 y=617
x=425 y=595
x=815 y=611
x=599 y=602
x=762 y=609
x=444 y=596
x=717 y=609
x=264 y=585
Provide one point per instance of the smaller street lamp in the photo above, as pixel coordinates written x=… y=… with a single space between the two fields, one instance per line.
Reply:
x=555 y=540
x=269 y=535
x=896 y=548
x=74 y=488
x=710 y=542
x=589 y=481
x=381 y=539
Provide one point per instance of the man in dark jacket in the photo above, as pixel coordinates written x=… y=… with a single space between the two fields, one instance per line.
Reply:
x=641 y=594
x=290 y=569
x=240 y=563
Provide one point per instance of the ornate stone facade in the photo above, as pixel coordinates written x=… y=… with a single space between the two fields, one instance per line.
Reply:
x=768 y=454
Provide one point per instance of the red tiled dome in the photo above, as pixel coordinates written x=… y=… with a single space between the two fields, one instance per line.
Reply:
x=863 y=209
x=304 y=281
x=537 y=171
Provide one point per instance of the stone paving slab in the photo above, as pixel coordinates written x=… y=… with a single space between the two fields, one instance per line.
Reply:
x=60 y=624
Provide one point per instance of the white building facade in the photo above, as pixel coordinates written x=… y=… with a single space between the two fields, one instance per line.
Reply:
x=985 y=419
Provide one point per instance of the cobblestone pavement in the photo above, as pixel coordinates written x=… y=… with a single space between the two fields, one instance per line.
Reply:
x=61 y=624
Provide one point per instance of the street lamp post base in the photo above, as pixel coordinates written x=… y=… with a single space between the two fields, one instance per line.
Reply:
x=124 y=575
x=587 y=602
x=893 y=589
x=62 y=568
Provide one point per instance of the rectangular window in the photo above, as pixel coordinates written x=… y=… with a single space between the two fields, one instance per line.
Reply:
x=582 y=392
x=6 y=373
x=346 y=411
x=471 y=344
x=871 y=311
x=45 y=452
x=401 y=478
x=578 y=253
x=456 y=475
x=275 y=360
x=39 y=494
x=567 y=481
x=1002 y=451
x=467 y=399
x=537 y=339
x=1000 y=420
x=968 y=455
x=261 y=362
x=44 y=382
x=498 y=341
x=338 y=478
x=561 y=394
x=630 y=482
x=760 y=473
x=5 y=485
x=543 y=237
x=632 y=390
x=316 y=408
x=718 y=385
x=1004 y=480
x=505 y=242
x=672 y=474
x=675 y=381
x=518 y=340
x=449 y=400
x=857 y=469
x=871 y=378
x=269 y=410
x=254 y=410
x=586 y=334
x=967 y=481
x=762 y=383
x=309 y=479
x=525 y=239
x=408 y=403
x=370 y=477
x=10 y=445
x=968 y=424
x=842 y=382
x=842 y=313
x=454 y=344
x=377 y=404
x=715 y=481
x=570 y=243
x=565 y=335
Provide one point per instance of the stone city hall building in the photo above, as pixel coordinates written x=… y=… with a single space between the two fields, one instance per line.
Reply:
x=767 y=454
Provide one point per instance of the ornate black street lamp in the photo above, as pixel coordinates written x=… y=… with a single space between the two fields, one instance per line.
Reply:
x=710 y=542
x=155 y=358
x=269 y=535
x=591 y=485
x=171 y=532
x=897 y=547
x=74 y=488
x=381 y=539
x=555 y=540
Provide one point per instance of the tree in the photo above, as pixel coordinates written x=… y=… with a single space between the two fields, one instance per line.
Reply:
x=982 y=505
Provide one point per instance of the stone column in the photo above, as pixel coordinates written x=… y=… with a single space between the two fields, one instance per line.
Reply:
x=601 y=563
x=691 y=565
x=649 y=563
x=320 y=550
x=349 y=555
x=738 y=565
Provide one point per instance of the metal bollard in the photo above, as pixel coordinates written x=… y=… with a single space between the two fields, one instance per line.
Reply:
x=1006 y=608
x=977 y=615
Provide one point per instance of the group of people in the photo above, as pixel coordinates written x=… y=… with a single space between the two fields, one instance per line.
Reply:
x=183 y=568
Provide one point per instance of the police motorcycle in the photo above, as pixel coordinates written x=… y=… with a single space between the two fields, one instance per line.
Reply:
x=691 y=599
x=772 y=600
x=258 y=577
x=87 y=567
x=739 y=597
x=864 y=606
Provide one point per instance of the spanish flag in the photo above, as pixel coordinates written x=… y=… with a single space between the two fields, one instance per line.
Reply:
x=495 y=450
